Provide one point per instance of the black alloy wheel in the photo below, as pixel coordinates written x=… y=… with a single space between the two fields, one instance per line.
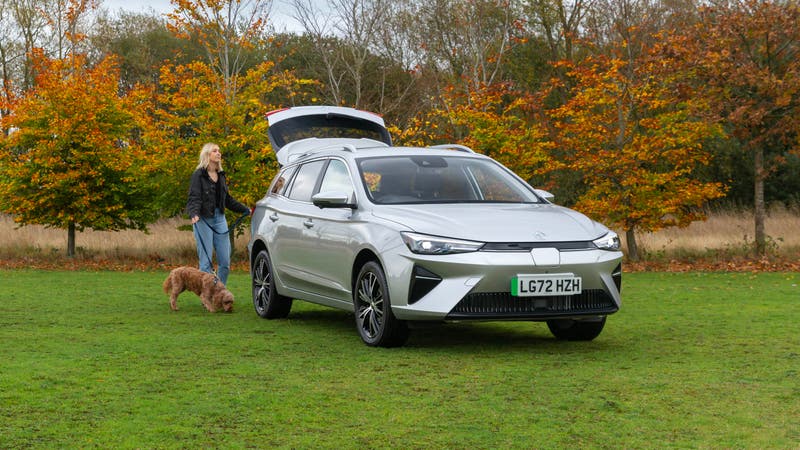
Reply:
x=375 y=321
x=266 y=300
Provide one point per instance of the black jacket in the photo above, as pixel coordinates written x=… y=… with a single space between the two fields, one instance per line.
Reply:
x=205 y=195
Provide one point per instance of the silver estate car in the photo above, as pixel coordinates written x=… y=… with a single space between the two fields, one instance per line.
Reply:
x=404 y=234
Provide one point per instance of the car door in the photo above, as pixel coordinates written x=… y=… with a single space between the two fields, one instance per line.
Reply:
x=334 y=235
x=291 y=244
x=313 y=247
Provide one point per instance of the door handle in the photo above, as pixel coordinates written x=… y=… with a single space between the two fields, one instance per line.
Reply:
x=308 y=223
x=273 y=217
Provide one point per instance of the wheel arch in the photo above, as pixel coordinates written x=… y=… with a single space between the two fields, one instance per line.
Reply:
x=256 y=248
x=364 y=256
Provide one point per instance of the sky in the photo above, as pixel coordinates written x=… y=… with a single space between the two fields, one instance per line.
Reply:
x=281 y=10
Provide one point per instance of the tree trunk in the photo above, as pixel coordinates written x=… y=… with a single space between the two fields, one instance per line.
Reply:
x=633 y=248
x=71 y=240
x=759 y=207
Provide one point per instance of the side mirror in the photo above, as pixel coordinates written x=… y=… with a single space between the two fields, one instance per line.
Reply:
x=333 y=199
x=545 y=195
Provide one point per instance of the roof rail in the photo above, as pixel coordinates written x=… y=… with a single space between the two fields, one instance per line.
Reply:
x=346 y=147
x=351 y=147
x=458 y=147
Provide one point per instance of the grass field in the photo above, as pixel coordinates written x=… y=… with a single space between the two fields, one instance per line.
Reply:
x=97 y=360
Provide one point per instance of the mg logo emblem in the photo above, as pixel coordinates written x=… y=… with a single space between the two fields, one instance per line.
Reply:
x=539 y=235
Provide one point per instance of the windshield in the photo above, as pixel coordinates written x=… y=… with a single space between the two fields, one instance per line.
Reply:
x=437 y=179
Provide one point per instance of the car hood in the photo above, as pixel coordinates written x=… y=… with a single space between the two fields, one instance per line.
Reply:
x=495 y=222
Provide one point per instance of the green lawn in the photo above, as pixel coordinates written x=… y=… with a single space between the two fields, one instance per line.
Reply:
x=99 y=360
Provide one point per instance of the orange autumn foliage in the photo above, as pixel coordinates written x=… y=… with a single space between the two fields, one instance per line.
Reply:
x=190 y=109
x=494 y=120
x=635 y=141
x=69 y=161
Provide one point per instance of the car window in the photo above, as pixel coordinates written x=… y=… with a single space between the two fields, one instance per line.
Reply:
x=438 y=179
x=281 y=181
x=336 y=178
x=305 y=181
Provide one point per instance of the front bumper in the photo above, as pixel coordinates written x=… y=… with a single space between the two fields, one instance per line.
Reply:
x=477 y=286
x=504 y=306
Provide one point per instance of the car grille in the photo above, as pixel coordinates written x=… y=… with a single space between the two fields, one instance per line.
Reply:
x=528 y=246
x=502 y=305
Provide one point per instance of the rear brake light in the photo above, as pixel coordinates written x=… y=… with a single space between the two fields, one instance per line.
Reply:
x=370 y=112
x=275 y=111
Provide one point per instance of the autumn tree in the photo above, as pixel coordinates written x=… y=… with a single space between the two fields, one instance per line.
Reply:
x=550 y=33
x=10 y=51
x=494 y=120
x=749 y=52
x=142 y=44
x=71 y=162
x=31 y=27
x=343 y=36
x=359 y=50
x=227 y=29
x=633 y=137
x=55 y=26
x=68 y=22
x=187 y=111
x=468 y=40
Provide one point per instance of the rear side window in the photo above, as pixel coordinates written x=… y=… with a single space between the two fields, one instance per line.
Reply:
x=305 y=181
x=281 y=181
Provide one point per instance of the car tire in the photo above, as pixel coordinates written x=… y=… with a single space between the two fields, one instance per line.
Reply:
x=576 y=330
x=376 y=324
x=266 y=300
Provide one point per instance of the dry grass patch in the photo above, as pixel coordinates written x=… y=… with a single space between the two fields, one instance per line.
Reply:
x=164 y=242
x=724 y=233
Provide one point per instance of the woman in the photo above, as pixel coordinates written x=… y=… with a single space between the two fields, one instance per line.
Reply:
x=208 y=198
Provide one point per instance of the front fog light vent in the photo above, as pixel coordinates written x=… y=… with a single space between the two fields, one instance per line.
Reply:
x=617 y=276
x=422 y=282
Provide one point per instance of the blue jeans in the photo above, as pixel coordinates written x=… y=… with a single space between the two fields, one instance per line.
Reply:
x=211 y=234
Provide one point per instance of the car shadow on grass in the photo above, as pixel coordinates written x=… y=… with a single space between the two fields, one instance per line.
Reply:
x=522 y=335
x=507 y=336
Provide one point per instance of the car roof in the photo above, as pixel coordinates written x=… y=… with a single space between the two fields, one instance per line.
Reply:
x=298 y=150
x=346 y=149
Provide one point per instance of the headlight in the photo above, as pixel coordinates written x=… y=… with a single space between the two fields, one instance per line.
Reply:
x=608 y=242
x=434 y=245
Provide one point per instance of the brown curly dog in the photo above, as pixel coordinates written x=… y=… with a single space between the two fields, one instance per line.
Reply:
x=212 y=292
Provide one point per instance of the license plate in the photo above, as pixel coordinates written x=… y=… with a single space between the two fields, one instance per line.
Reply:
x=545 y=285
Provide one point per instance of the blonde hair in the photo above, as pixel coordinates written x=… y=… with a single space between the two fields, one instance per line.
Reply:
x=205 y=156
